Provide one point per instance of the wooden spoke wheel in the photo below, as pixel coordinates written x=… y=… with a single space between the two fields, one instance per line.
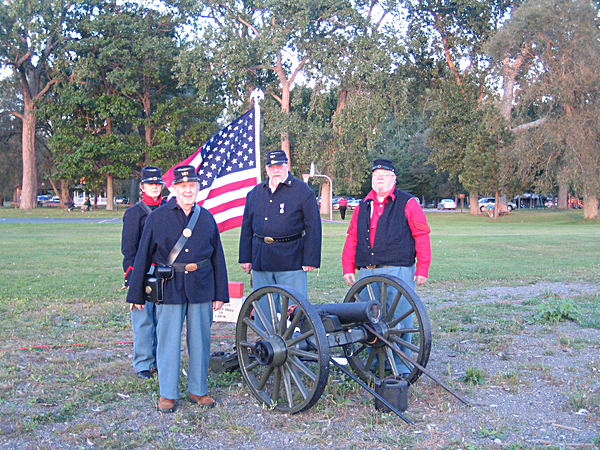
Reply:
x=375 y=360
x=284 y=358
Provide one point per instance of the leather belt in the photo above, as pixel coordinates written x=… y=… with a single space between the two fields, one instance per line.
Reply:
x=270 y=240
x=375 y=266
x=190 y=267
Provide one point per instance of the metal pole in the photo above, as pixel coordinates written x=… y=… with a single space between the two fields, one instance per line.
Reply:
x=330 y=194
x=403 y=355
x=256 y=97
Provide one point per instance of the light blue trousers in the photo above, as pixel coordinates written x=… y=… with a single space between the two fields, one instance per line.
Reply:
x=168 y=352
x=296 y=279
x=407 y=275
x=143 y=324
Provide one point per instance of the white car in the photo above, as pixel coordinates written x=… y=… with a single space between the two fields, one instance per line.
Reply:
x=483 y=202
x=446 y=203
x=354 y=203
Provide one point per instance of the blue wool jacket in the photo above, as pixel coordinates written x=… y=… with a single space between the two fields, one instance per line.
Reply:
x=291 y=209
x=161 y=231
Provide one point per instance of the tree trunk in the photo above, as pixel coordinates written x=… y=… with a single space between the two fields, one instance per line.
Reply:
x=133 y=191
x=110 y=204
x=497 y=206
x=57 y=192
x=65 y=193
x=590 y=204
x=29 y=185
x=563 y=190
x=325 y=198
x=474 y=203
x=285 y=108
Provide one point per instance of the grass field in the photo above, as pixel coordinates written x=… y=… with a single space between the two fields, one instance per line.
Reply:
x=61 y=286
x=73 y=270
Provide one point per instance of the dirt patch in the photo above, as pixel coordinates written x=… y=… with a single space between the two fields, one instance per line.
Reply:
x=531 y=385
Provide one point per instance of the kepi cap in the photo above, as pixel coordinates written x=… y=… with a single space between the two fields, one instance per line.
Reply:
x=276 y=158
x=151 y=175
x=183 y=174
x=385 y=164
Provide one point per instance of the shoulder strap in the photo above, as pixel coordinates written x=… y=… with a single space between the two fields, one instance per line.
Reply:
x=145 y=207
x=187 y=232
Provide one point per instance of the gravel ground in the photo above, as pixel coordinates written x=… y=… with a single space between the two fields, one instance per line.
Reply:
x=540 y=389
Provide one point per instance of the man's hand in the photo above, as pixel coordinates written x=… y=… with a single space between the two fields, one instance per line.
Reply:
x=349 y=278
x=247 y=267
x=136 y=306
x=419 y=280
x=217 y=306
x=308 y=268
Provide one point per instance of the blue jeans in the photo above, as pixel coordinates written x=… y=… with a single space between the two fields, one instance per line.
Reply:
x=143 y=324
x=296 y=279
x=407 y=275
x=168 y=352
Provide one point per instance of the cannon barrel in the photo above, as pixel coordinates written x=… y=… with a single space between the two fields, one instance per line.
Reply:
x=358 y=312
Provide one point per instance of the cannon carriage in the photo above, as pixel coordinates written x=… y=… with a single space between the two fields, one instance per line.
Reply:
x=285 y=344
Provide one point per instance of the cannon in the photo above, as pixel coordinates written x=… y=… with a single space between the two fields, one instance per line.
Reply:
x=285 y=344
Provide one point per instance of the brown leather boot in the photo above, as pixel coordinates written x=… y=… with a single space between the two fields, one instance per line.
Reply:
x=166 y=405
x=204 y=400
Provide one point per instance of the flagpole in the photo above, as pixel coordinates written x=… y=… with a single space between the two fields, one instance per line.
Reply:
x=256 y=97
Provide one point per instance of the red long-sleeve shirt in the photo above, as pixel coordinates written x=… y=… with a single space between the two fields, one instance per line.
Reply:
x=418 y=227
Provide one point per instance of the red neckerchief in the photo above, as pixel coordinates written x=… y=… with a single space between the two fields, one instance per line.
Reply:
x=150 y=201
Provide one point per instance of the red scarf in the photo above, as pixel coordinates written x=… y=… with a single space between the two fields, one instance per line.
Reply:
x=150 y=201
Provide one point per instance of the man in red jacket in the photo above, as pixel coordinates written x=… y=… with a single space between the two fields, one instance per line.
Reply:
x=387 y=232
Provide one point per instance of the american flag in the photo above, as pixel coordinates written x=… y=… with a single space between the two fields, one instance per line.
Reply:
x=226 y=166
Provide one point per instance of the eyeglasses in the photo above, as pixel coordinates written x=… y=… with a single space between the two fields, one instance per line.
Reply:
x=383 y=175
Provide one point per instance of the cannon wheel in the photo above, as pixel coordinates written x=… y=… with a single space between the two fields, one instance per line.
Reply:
x=284 y=362
x=363 y=358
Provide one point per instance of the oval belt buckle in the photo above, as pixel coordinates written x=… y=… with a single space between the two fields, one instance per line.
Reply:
x=371 y=266
x=191 y=267
x=269 y=240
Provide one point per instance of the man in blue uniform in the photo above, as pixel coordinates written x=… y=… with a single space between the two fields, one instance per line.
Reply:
x=196 y=285
x=143 y=322
x=280 y=239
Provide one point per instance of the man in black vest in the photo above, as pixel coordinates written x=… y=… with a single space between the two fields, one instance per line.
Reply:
x=143 y=322
x=388 y=230
x=182 y=240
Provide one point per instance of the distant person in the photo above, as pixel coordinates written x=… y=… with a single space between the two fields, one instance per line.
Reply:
x=387 y=232
x=280 y=239
x=87 y=205
x=343 y=205
x=143 y=321
x=195 y=285
x=69 y=205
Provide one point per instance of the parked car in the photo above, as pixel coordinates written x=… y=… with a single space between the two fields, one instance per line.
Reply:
x=354 y=203
x=446 y=203
x=483 y=202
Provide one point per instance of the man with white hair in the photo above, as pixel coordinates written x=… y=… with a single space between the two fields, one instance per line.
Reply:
x=182 y=241
x=387 y=232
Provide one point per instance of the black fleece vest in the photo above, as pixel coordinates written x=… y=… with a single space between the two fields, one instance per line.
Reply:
x=394 y=243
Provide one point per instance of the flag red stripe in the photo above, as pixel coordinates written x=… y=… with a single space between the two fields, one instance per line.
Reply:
x=228 y=205
x=215 y=192
x=228 y=224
